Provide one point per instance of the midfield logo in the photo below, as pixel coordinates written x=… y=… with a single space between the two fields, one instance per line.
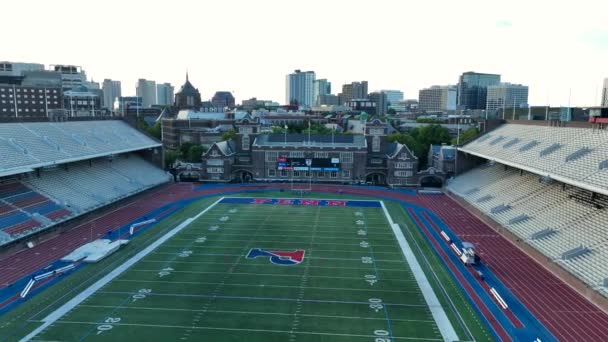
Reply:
x=278 y=257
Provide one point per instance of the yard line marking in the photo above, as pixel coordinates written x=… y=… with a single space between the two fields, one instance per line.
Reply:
x=345 y=237
x=245 y=329
x=294 y=243
x=374 y=263
x=274 y=266
x=69 y=305
x=271 y=275
x=263 y=298
x=258 y=313
x=443 y=323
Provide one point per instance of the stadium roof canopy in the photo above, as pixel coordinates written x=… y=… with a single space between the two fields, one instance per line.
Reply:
x=26 y=146
x=575 y=156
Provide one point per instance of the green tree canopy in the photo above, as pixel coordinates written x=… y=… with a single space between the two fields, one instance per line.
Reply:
x=420 y=139
x=155 y=130
x=467 y=136
x=195 y=153
x=228 y=135
x=171 y=156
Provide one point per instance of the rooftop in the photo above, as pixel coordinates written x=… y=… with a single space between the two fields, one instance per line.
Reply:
x=316 y=140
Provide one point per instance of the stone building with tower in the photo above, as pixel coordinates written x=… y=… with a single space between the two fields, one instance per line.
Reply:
x=359 y=159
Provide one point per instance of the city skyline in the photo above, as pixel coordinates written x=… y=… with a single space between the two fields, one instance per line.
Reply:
x=561 y=57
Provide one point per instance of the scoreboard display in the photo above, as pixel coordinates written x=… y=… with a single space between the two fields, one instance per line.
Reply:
x=308 y=164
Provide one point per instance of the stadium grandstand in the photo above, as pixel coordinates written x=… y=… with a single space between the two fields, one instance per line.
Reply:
x=53 y=172
x=548 y=185
x=263 y=261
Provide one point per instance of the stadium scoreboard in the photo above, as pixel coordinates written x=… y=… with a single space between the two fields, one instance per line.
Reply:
x=308 y=164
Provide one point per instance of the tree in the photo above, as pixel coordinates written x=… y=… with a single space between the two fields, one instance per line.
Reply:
x=155 y=130
x=195 y=153
x=419 y=140
x=184 y=149
x=170 y=157
x=391 y=111
x=466 y=136
x=228 y=135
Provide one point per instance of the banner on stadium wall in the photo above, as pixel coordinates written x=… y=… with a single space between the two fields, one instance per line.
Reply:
x=308 y=164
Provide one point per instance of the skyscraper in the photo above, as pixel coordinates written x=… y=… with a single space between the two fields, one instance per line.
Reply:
x=164 y=94
x=472 y=89
x=437 y=98
x=147 y=91
x=380 y=99
x=393 y=96
x=111 y=91
x=320 y=87
x=605 y=93
x=354 y=90
x=506 y=95
x=299 y=88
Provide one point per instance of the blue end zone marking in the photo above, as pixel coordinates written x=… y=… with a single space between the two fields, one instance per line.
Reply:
x=301 y=201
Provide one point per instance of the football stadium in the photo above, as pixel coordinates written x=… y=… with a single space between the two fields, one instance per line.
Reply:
x=100 y=243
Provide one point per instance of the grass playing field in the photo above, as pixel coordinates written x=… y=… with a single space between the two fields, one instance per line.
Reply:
x=352 y=285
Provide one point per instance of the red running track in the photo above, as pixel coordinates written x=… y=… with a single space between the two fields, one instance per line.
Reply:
x=568 y=315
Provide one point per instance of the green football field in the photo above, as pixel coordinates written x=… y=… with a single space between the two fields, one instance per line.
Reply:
x=353 y=284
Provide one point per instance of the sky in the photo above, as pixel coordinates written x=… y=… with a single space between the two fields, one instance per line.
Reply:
x=558 y=48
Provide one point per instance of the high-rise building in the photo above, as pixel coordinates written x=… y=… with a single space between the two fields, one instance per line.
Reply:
x=72 y=76
x=111 y=91
x=354 y=90
x=507 y=95
x=605 y=93
x=11 y=71
x=320 y=87
x=437 y=98
x=472 y=89
x=393 y=96
x=223 y=99
x=299 y=88
x=164 y=94
x=29 y=102
x=328 y=100
x=380 y=99
x=147 y=91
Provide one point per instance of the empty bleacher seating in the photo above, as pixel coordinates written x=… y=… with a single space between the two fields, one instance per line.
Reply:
x=549 y=217
x=35 y=203
x=27 y=145
x=572 y=153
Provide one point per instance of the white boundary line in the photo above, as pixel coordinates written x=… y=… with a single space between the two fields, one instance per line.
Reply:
x=443 y=323
x=306 y=198
x=72 y=303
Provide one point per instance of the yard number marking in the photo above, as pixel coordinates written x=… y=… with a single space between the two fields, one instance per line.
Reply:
x=141 y=294
x=375 y=304
x=371 y=279
x=165 y=272
x=367 y=260
x=184 y=254
x=382 y=336
x=108 y=324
